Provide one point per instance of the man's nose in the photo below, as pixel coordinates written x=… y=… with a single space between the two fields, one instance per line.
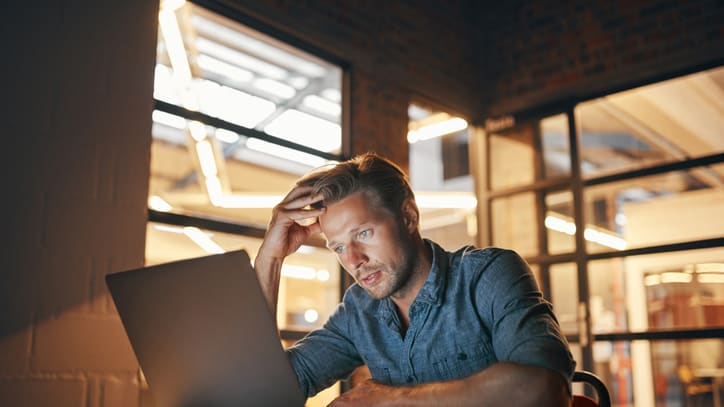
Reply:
x=356 y=256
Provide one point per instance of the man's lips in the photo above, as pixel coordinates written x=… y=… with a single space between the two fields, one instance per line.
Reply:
x=371 y=278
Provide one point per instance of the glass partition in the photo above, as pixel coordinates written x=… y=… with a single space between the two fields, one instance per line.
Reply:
x=655 y=210
x=668 y=121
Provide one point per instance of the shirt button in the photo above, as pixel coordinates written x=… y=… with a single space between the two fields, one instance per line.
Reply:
x=410 y=379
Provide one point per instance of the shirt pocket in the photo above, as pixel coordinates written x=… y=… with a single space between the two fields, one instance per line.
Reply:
x=463 y=359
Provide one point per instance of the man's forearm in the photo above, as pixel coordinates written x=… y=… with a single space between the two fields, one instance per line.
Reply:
x=503 y=384
x=268 y=272
x=499 y=385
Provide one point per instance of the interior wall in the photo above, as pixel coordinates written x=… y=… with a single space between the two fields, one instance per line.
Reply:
x=541 y=52
x=76 y=127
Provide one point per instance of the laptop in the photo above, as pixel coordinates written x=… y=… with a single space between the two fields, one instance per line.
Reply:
x=203 y=333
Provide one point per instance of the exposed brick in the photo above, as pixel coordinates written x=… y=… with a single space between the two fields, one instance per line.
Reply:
x=77 y=343
x=51 y=392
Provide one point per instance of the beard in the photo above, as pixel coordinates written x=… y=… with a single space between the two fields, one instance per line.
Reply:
x=395 y=278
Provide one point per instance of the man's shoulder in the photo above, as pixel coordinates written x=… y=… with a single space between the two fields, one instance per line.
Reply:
x=477 y=256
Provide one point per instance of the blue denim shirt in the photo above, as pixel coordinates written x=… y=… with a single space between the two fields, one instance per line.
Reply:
x=477 y=307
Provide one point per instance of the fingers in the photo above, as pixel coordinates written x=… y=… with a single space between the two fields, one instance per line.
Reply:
x=300 y=197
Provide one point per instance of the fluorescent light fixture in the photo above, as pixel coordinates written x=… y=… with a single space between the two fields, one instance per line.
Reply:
x=275 y=88
x=332 y=94
x=226 y=136
x=446 y=200
x=255 y=46
x=305 y=129
x=197 y=129
x=605 y=239
x=213 y=189
x=711 y=278
x=170 y=229
x=157 y=203
x=285 y=152
x=172 y=5
x=233 y=105
x=710 y=268
x=203 y=240
x=560 y=225
x=168 y=119
x=651 y=280
x=229 y=71
x=206 y=158
x=243 y=60
x=174 y=45
x=438 y=129
x=236 y=201
x=299 y=82
x=676 y=277
x=322 y=105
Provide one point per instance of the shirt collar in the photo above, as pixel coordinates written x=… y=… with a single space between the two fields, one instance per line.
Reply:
x=433 y=290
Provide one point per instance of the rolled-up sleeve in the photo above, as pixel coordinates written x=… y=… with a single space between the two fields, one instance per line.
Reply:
x=325 y=355
x=523 y=326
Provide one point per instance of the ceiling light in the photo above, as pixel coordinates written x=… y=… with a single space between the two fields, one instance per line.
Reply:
x=206 y=158
x=168 y=119
x=322 y=105
x=332 y=94
x=446 y=200
x=285 y=152
x=174 y=45
x=226 y=136
x=201 y=239
x=305 y=129
x=311 y=315
x=438 y=129
x=157 y=203
x=275 y=88
x=237 y=58
x=197 y=129
x=232 y=72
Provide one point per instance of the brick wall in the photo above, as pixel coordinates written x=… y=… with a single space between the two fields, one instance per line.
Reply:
x=540 y=52
x=76 y=133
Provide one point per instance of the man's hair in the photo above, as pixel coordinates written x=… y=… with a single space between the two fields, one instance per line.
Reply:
x=385 y=184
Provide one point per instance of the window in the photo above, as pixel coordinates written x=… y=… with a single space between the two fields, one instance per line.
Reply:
x=622 y=222
x=440 y=176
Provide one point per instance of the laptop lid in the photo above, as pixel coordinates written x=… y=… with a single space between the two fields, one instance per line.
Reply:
x=203 y=333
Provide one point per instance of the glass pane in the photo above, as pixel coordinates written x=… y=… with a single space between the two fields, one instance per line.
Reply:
x=559 y=223
x=658 y=291
x=512 y=158
x=514 y=223
x=668 y=121
x=564 y=296
x=655 y=210
x=662 y=373
x=556 y=148
x=439 y=171
x=214 y=65
x=309 y=289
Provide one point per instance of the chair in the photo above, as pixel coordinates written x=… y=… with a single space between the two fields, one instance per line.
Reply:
x=603 y=399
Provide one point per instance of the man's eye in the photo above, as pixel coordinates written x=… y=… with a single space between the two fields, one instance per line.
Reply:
x=338 y=249
x=365 y=234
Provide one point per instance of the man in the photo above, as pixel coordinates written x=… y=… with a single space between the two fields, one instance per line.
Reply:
x=434 y=327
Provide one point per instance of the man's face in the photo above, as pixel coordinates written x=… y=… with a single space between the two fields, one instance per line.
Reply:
x=370 y=243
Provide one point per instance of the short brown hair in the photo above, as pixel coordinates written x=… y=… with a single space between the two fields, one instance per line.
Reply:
x=383 y=181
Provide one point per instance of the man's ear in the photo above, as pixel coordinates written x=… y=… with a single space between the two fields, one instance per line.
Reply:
x=410 y=215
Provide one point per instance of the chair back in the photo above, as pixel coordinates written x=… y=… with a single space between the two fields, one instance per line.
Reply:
x=603 y=399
